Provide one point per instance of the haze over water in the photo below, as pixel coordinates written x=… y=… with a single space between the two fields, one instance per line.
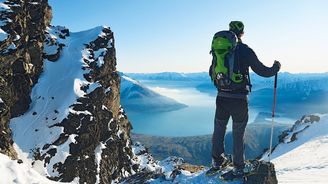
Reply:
x=196 y=119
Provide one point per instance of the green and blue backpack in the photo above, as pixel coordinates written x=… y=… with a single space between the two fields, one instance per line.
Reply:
x=225 y=70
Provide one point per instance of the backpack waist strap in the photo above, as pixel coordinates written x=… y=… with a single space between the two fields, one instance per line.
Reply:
x=232 y=95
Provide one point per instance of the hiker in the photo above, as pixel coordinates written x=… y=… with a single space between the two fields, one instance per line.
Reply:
x=232 y=100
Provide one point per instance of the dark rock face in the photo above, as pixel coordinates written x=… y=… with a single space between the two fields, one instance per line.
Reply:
x=264 y=173
x=21 y=60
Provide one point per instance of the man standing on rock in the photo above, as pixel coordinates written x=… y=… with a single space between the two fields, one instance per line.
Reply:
x=231 y=77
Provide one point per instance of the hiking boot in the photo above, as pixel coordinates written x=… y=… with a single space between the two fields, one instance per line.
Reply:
x=218 y=165
x=234 y=174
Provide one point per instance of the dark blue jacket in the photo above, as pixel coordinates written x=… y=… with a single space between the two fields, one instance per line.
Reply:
x=246 y=57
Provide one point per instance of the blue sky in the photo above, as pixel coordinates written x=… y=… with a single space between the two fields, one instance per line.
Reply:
x=175 y=35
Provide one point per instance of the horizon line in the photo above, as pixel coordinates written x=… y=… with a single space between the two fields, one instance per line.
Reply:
x=283 y=72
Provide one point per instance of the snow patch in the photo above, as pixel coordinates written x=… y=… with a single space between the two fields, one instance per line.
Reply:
x=78 y=84
x=112 y=120
x=169 y=164
x=71 y=110
x=11 y=47
x=99 y=56
x=107 y=90
x=4 y=7
x=98 y=152
x=104 y=107
x=60 y=156
x=93 y=86
x=34 y=3
x=3 y=35
x=144 y=159
x=102 y=34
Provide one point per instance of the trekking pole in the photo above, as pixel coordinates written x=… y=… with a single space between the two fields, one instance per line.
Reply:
x=273 y=107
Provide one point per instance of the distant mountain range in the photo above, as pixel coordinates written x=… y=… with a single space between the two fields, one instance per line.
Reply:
x=199 y=76
x=306 y=92
x=315 y=81
x=138 y=98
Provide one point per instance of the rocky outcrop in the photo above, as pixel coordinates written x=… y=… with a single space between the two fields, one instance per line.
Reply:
x=290 y=135
x=53 y=47
x=175 y=170
x=263 y=173
x=22 y=25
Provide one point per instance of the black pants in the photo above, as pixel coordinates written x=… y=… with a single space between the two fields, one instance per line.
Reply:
x=238 y=110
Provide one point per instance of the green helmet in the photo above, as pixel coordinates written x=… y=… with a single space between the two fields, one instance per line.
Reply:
x=237 y=27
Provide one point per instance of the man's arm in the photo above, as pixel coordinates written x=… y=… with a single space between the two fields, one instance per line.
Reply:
x=258 y=67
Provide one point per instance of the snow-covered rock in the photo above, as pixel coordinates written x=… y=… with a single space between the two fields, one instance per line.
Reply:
x=75 y=125
x=54 y=42
x=175 y=170
x=64 y=115
x=3 y=35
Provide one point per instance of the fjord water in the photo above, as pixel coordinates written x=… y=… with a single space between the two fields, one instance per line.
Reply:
x=196 y=119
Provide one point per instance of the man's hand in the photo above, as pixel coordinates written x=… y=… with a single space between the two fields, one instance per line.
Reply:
x=277 y=65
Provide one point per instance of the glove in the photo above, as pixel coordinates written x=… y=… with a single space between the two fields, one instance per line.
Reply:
x=277 y=65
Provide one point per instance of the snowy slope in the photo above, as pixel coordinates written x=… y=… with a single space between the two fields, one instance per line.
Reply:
x=302 y=155
x=307 y=163
x=12 y=172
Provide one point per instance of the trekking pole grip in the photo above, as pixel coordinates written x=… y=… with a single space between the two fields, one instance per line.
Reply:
x=274 y=94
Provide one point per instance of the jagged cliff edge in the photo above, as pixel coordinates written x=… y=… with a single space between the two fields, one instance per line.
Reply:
x=60 y=97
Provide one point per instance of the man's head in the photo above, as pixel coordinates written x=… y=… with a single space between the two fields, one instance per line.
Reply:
x=237 y=27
